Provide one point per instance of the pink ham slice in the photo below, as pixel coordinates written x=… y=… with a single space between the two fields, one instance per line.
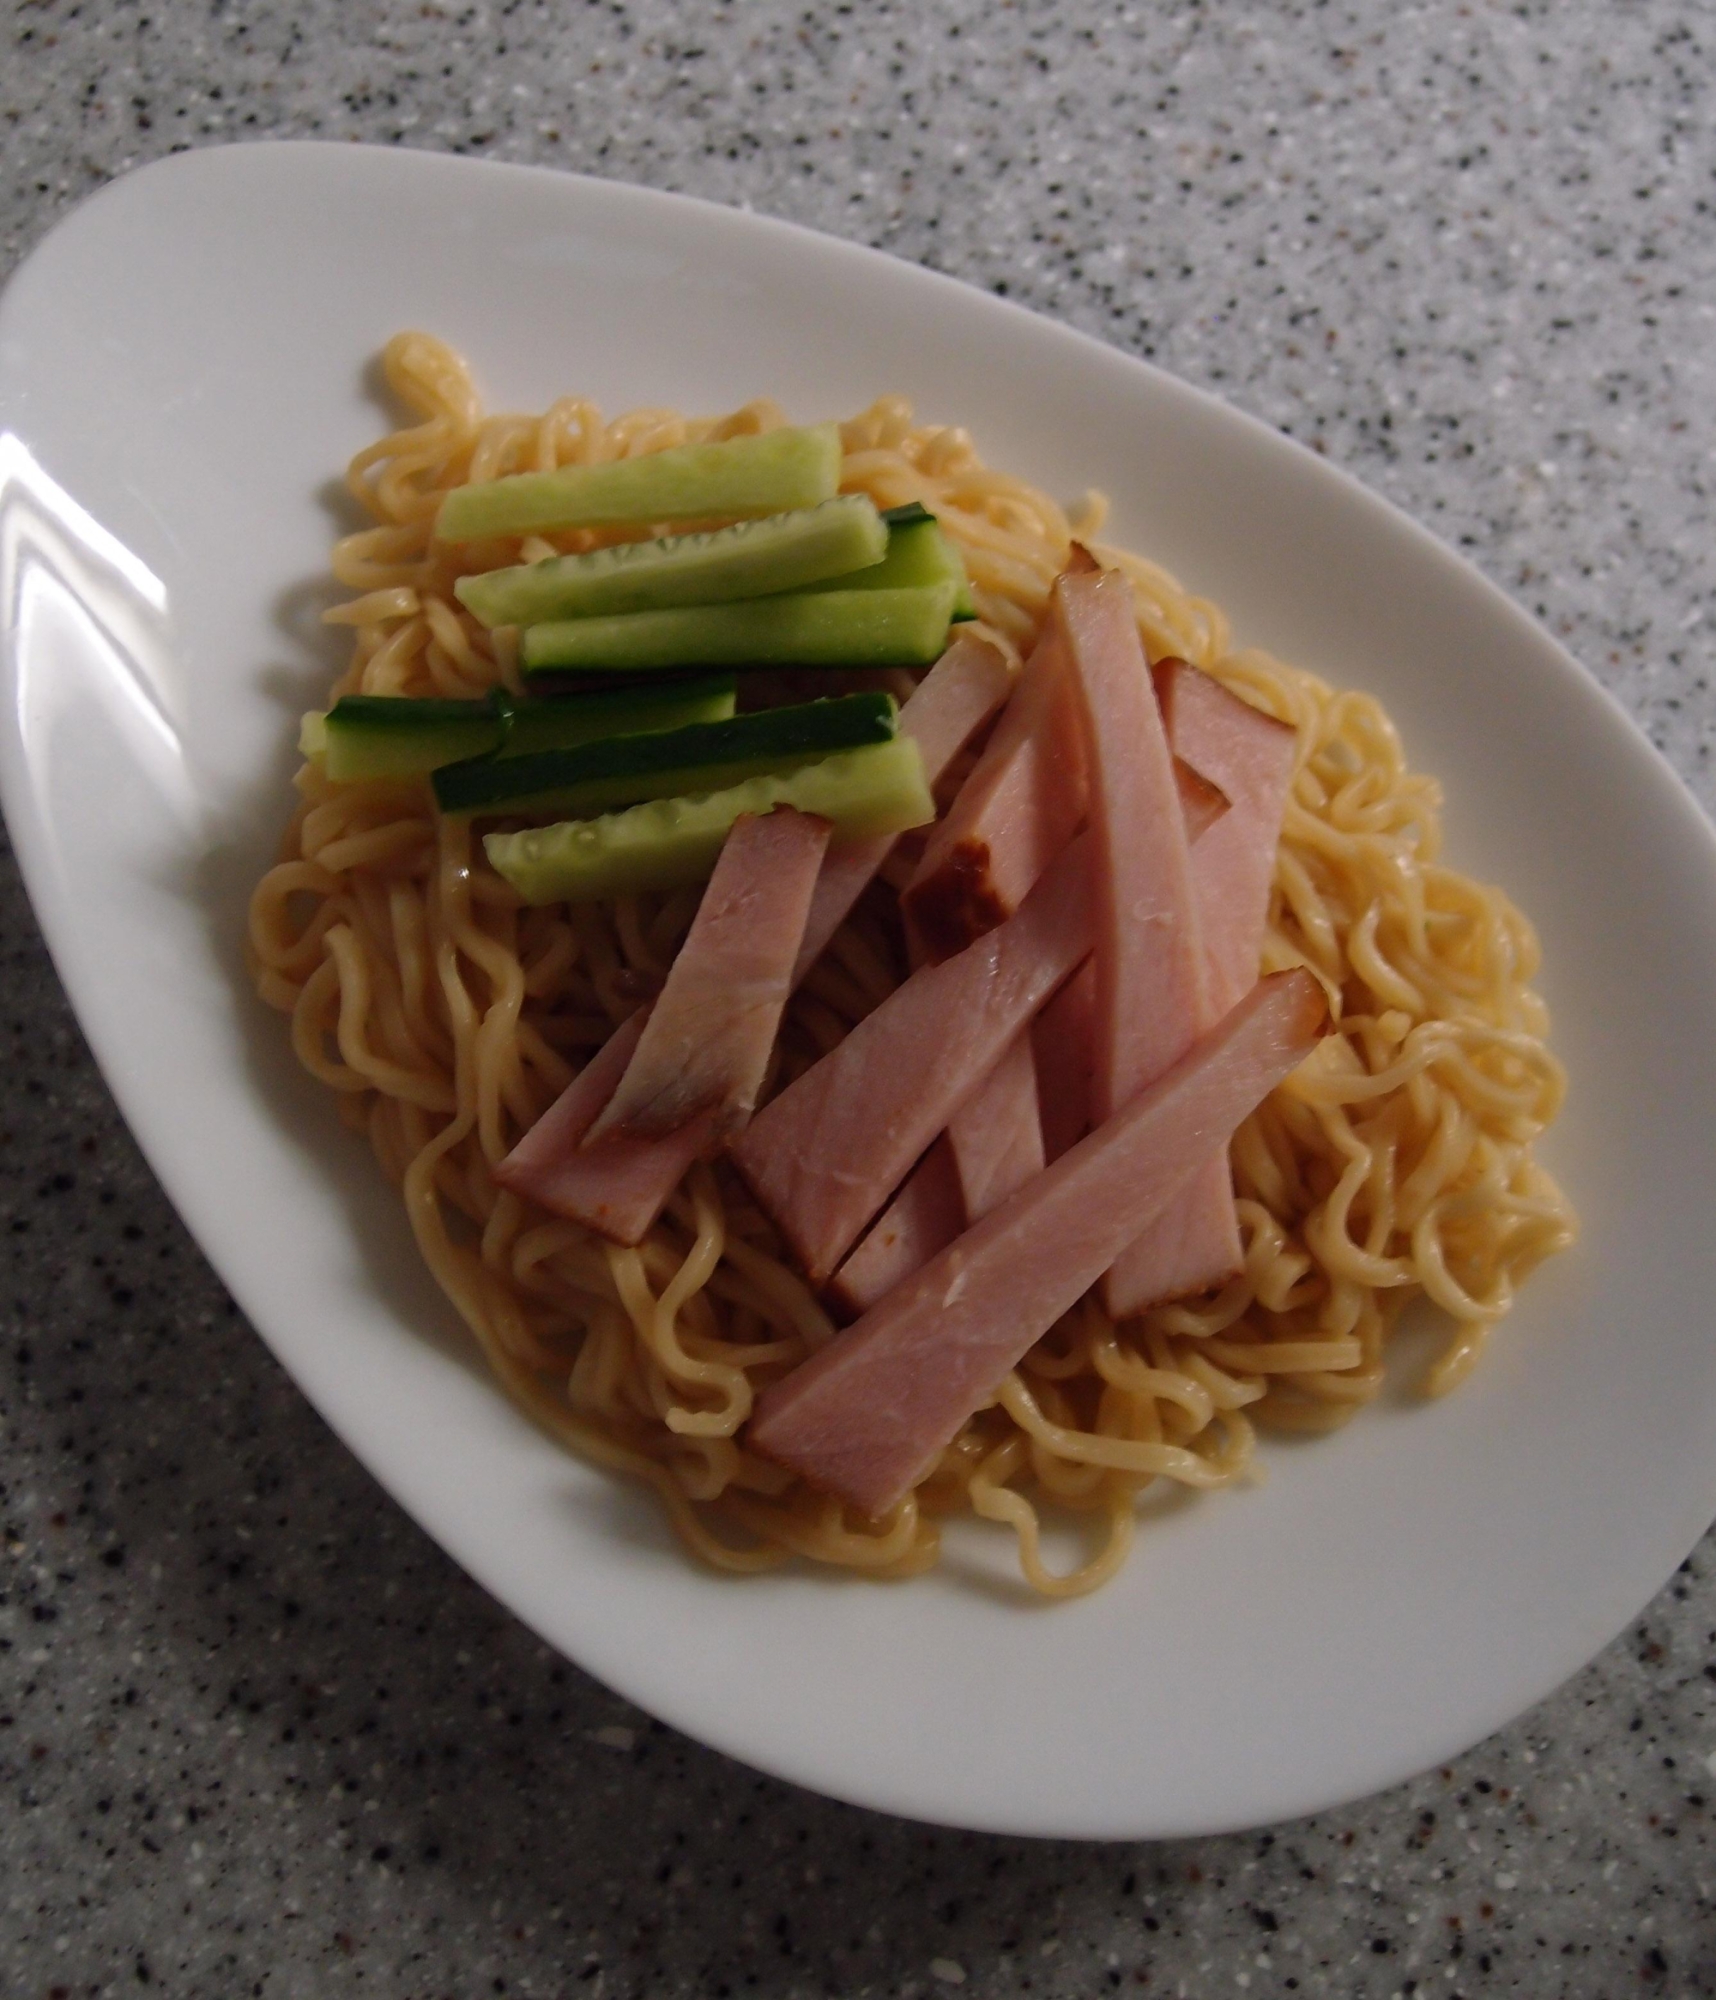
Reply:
x=1151 y=993
x=1194 y=1246
x=1201 y=802
x=993 y=1145
x=1061 y=1044
x=1026 y=1112
x=710 y=1032
x=619 y=1190
x=868 y=1416
x=1022 y=803
x=943 y=712
x=826 y=1154
x=996 y=1135
x=1019 y=807
x=1249 y=756
x=924 y=1217
x=1150 y=989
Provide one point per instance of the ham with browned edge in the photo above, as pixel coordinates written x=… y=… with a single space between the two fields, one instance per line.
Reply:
x=1019 y=807
x=943 y=712
x=1024 y=800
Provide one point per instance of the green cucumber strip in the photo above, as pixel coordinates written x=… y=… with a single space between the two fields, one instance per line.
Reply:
x=835 y=628
x=667 y=843
x=749 y=559
x=918 y=554
x=392 y=736
x=705 y=756
x=907 y=516
x=689 y=482
x=562 y=722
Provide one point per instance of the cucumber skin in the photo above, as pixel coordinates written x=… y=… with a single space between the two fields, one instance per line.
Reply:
x=595 y=777
x=351 y=757
x=919 y=553
x=394 y=737
x=750 y=559
x=834 y=628
x=738 y=477
x=668 y=843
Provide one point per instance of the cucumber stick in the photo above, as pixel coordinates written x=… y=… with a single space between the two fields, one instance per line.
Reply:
x=667 y=843
x=919 y=553
x=738 y=477
x=391 y=736
x=834 y=628
x=749 y=559
x=704 y=757
x=388 y=736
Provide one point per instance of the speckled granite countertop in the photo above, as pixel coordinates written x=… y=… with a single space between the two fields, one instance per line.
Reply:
x=256 y=1735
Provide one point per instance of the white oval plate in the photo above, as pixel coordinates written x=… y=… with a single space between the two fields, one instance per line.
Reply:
x=185 y=366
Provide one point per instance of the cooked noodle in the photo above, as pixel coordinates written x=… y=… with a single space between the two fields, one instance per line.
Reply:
x=1396 y=1162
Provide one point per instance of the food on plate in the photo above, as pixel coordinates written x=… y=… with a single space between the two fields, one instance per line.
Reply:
x=590 y=779
x=751 y=558
x=878 y=1013
x=825 y=1153
x=668 y=843
x=755 y=472
x=712 y=1028
x=864 y=1418
x=925 y=1216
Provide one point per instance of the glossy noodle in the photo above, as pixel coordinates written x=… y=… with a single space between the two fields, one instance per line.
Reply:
x=1396 y=1163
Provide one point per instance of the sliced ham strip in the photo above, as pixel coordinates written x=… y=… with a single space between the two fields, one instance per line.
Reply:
x=1249 y=756
x=1195 y=1246
x=1202 y=801
x=924 y=1217
x=996 y=1135
x=1151 y=993
x=826 y=1154
x=1061 y=1034
x=943 y=712
x=1151 y=989
x=993 y=1145
x=1019 y=807
x=710 y=1032
x=1022 y=803
x=1061 y=1044
x=694 y=1059
x=869 y=1415
x=620 y=1190
x=574 y=1111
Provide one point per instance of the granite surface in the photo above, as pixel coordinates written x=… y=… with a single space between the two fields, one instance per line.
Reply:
x=257 y=1736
